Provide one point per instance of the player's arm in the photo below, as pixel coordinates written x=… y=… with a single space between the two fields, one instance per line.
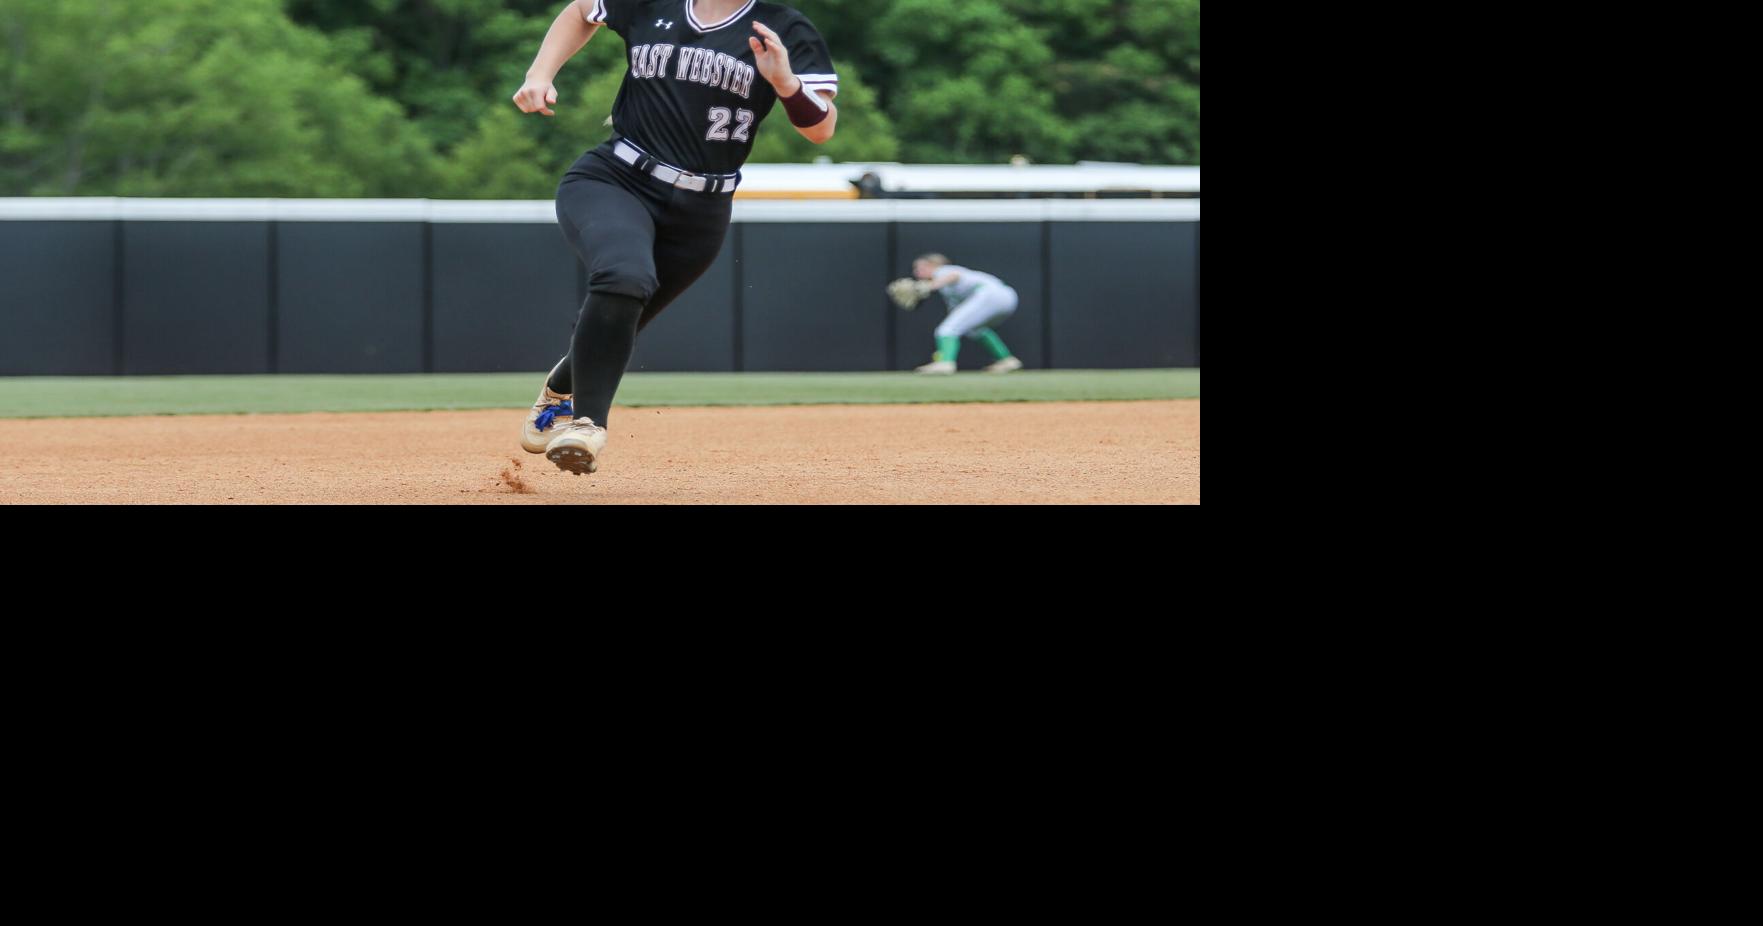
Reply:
x=822 y=133
x=946 y=278
x=773 y=61
x=567 y=35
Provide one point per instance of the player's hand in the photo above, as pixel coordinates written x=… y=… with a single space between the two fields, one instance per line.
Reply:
x=536 y=96
x=772 y=60
x=907 y=293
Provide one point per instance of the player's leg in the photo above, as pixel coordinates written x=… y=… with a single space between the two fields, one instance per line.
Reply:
x=985 y=307
x=686 y=245
x=1006 y=362
x=613 y=232
x=581 y=198
x=991 y=341
x=612 y=229
x=561 y=379
x=1001 y=303
x=948 y=349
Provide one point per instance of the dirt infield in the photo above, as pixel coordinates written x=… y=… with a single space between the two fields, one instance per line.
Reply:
x=1104 y=452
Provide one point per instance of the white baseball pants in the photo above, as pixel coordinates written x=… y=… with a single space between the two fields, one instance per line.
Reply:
x=986 y=308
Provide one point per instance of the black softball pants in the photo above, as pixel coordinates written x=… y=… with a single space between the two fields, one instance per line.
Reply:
x=644 y=243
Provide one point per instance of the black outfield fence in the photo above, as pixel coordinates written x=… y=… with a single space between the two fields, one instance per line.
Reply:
x=141 y=287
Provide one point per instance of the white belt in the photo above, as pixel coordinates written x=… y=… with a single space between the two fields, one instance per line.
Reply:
x=671 y=175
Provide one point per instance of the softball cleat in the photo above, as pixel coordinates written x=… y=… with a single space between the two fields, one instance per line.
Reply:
x=937 y=368
x=577 y=447
x=1007 y=365
x=550 y=415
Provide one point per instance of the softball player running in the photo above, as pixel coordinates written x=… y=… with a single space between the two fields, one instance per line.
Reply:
x=647 y=211
x=977 y=302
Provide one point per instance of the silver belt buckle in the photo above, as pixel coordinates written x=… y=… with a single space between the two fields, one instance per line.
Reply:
x=692 y=182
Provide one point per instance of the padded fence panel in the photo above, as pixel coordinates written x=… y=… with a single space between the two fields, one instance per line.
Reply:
x=1125 y=296
x=196 y=297
x=57 y=298
x=814 y=297
x=349 y=297
x=506 y=297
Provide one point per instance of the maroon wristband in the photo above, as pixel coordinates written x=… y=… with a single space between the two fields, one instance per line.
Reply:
x=805 y=111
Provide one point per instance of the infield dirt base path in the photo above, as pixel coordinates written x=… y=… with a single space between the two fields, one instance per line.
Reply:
x=1040 y=453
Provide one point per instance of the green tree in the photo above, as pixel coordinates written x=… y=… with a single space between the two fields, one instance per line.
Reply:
x=444 y=60
x=1127 y=77
x=192 y=98
x=970 y=82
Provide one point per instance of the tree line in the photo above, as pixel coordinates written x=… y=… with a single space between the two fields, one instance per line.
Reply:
x=395 y=98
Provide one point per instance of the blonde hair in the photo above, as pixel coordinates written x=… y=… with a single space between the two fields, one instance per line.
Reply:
x=937 y=259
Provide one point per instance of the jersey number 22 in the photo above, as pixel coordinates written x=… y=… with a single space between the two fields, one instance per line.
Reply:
x=719 y=120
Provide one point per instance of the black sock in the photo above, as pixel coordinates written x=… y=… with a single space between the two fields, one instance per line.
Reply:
x=604 y=339
x=562 y=378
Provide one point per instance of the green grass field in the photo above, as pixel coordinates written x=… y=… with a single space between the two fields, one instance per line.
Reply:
x=75 y=397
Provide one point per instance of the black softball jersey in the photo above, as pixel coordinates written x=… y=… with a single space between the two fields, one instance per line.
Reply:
x=692 y=96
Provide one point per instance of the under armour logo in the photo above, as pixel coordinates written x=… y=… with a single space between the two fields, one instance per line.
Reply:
x=663 y=23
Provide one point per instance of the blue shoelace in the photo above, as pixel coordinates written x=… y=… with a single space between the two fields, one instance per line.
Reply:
x=565 y=409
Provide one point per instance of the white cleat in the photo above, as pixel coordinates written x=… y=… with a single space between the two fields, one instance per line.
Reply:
x=937 y=368
x=577 y=448
x=550 y=414
x=1007 y=365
